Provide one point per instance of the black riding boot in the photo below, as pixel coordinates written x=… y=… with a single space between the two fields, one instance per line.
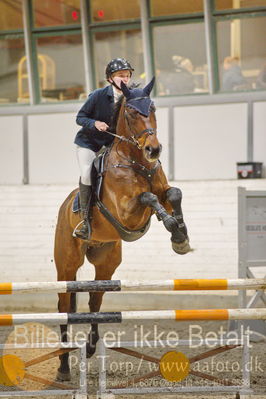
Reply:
x=85 y=193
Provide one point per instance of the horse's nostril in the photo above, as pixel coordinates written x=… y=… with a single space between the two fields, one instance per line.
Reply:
x=154 y=152
x=148 y=148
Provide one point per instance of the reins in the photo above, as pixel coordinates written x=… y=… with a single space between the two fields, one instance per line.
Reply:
x=132 y=139
x=122 y=138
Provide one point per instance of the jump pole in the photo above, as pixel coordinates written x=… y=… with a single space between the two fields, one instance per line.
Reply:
x=126 y=285
x=119 y=317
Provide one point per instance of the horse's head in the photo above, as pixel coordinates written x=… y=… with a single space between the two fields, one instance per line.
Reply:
x=139 y=112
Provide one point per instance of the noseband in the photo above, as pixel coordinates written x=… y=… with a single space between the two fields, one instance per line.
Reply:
x=137 y=136
x=149 y=131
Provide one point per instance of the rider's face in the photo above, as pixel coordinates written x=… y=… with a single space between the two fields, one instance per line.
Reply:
x=119 y=76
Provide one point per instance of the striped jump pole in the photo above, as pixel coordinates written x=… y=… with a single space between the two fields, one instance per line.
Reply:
x=126 y=285
x=119 y=317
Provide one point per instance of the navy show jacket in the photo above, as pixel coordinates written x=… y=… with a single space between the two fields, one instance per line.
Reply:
x=98 y=107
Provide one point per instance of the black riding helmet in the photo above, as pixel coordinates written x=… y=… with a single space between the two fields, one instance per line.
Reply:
x=118 y=64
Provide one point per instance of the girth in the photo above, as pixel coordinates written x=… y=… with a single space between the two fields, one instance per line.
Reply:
x=124 y=232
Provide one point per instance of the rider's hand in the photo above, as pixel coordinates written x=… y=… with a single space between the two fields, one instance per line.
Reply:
x=102 y=126
x=118 y=80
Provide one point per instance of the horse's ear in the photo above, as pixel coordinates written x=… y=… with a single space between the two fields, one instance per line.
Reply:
x=147 y=89
x=125 y=89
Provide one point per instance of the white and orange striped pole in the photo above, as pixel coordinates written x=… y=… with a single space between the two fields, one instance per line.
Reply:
x=126 y=285
x=119 y=317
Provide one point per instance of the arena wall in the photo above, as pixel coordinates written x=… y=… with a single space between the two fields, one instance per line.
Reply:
x=28 y=218
x=202 y=142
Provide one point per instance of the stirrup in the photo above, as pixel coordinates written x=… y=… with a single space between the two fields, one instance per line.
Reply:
x=74 y=234
x=76 y=228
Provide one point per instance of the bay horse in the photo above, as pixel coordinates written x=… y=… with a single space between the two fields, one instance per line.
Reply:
x=134 y=187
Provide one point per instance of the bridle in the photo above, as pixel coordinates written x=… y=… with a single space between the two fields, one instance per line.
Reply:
x=133 y=139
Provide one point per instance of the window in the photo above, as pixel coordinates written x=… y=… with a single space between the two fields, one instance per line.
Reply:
x=172 y=7
x=242 y=53
x=178 y=46
x=181 y=65
x=56 y=12
x=122 y=43
x=231 y=4
x=13 y=71
x=112 y=41
x=59 y=59
x=10 y=14
x=114 y=10
x=60 y=67
x=13 y=66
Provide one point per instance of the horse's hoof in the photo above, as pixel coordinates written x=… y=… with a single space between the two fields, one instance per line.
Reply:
x=181 y=248
x=63 y=376
x=90 y=353
x=90 y=350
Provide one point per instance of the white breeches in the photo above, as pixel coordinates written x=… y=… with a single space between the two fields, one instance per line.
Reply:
x=85 y=159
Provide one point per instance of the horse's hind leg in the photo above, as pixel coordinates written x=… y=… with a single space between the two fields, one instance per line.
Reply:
x=105 y=260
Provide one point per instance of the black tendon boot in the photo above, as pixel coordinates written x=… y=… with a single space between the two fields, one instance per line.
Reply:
x=85 y=193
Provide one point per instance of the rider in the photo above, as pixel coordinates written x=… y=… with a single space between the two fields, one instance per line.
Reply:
x=95 y=117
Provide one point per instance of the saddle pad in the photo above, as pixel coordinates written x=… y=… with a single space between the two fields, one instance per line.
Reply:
x=76 y=204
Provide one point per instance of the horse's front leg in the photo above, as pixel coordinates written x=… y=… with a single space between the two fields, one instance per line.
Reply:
x=174 y=197
x=66 y=303
x=93 y=336
x=179 y=240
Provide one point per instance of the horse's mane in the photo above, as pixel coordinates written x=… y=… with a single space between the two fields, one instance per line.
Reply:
x=117 y=108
